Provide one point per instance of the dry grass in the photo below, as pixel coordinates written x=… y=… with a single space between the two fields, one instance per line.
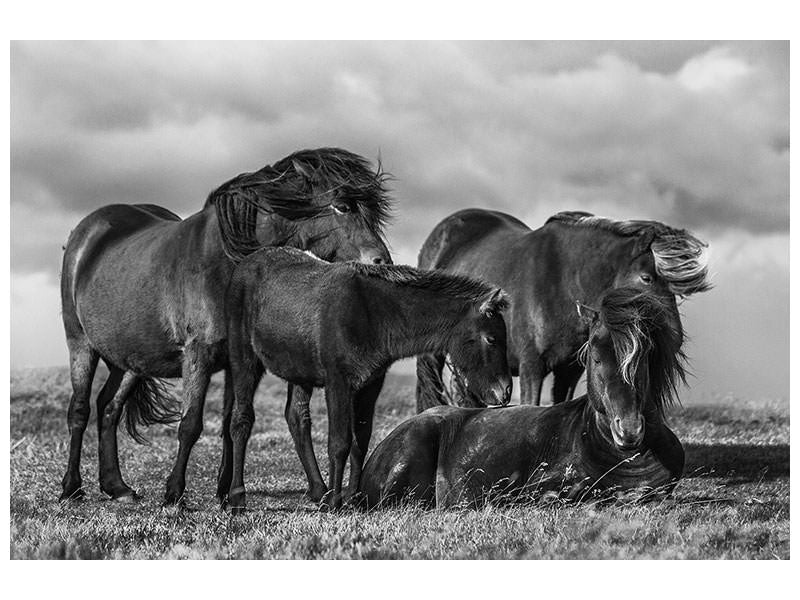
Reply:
x=733 y=503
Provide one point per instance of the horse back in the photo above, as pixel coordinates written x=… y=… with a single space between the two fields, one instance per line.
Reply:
x=463 y=230
x=99 y=231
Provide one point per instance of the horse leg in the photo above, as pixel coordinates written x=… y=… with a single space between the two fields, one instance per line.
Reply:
x=339 y=399
x=362 y=429
x=226 y=464
x=429 y=381
x=565 y=379
x=109 y=409
x=246 y=376
x=531 y=376
x=298 y=417
x=196 y=375
x=82 y=365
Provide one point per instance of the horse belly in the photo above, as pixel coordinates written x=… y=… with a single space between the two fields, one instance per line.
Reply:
x=122 y=310
x=125 y=333
x=286 y=351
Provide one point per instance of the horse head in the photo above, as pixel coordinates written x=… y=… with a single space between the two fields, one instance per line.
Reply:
x=633 y=361
x=477 y=351
x=328 y=201
x=665 y=262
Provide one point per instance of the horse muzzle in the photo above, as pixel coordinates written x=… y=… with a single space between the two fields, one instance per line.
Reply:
x=375 y=256
x=500 y=394
x=628 y=433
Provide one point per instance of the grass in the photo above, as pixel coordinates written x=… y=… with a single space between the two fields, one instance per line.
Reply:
x=732 y=503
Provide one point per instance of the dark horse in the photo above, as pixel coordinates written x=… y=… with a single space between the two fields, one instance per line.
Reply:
x=575 y=256
x=612 y=438
x=338 y=326
x=144 y=291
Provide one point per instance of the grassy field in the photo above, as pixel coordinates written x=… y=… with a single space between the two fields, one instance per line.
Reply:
x=732 y=503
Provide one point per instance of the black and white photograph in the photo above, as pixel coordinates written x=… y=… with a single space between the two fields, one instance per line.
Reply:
x=423 y=300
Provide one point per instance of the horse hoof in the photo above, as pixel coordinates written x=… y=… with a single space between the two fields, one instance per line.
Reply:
x=316 y=494
x=72 y=496
x=330 y=503
x=173 y=499
x=128 y=497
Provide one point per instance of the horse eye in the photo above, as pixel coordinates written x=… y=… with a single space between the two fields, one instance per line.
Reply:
x=646 y=278
x=489 y=314
x=341 y=208
x=490 y=339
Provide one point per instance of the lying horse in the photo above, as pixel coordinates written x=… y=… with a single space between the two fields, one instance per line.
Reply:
x=144 y=290
x=574 y=256
x=319 y=324
x=612 y=438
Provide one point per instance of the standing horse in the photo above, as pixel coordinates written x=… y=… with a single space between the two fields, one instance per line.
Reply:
x=612 y=438
x=574 y=256
x=144 y=290
x=339 y=326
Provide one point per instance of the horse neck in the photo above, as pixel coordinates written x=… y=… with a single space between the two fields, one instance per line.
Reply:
x=200 y=242
x=414 y=320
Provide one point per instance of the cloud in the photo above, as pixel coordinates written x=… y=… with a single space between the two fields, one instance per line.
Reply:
x=695 y=134
x=691 y=133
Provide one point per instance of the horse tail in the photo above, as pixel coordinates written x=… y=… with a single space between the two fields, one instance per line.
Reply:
x=149 y=403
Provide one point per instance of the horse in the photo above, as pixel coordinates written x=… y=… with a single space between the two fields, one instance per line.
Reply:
x=574 y=256
x=144 y=290
x=338 y=326
x=612 y=440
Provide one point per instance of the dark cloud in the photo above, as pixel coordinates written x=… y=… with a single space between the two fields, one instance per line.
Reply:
x=693 y=133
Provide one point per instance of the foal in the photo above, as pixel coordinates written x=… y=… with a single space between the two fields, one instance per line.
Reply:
x=612 y=438
x=339 y=326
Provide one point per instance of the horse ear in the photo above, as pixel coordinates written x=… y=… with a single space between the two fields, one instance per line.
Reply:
x=587 y=314
x=302 y=170
x=643 y=243
x=496 y=300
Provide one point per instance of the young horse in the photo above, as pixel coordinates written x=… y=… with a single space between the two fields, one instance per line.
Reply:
x=612 y=438
x=574 y=256
x=339 y=325
x=144 y=290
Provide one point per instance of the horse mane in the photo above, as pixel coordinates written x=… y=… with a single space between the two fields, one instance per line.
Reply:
x=680 y=258
x=299 y=186
x=449 y=284
x=647 y=344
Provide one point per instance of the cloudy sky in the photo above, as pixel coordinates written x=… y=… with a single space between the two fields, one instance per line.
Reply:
x=695 y=134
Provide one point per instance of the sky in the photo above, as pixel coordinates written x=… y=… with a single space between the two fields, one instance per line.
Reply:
x=694 y=134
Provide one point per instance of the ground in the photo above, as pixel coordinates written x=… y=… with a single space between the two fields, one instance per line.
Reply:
x=732 y=503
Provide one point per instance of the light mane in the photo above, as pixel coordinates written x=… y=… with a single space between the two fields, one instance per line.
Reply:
x=647 y=345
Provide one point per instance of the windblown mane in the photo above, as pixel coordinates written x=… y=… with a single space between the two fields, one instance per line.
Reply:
x=449 y=284
x=680 y=258
x=647 y=345
x=300 y=186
